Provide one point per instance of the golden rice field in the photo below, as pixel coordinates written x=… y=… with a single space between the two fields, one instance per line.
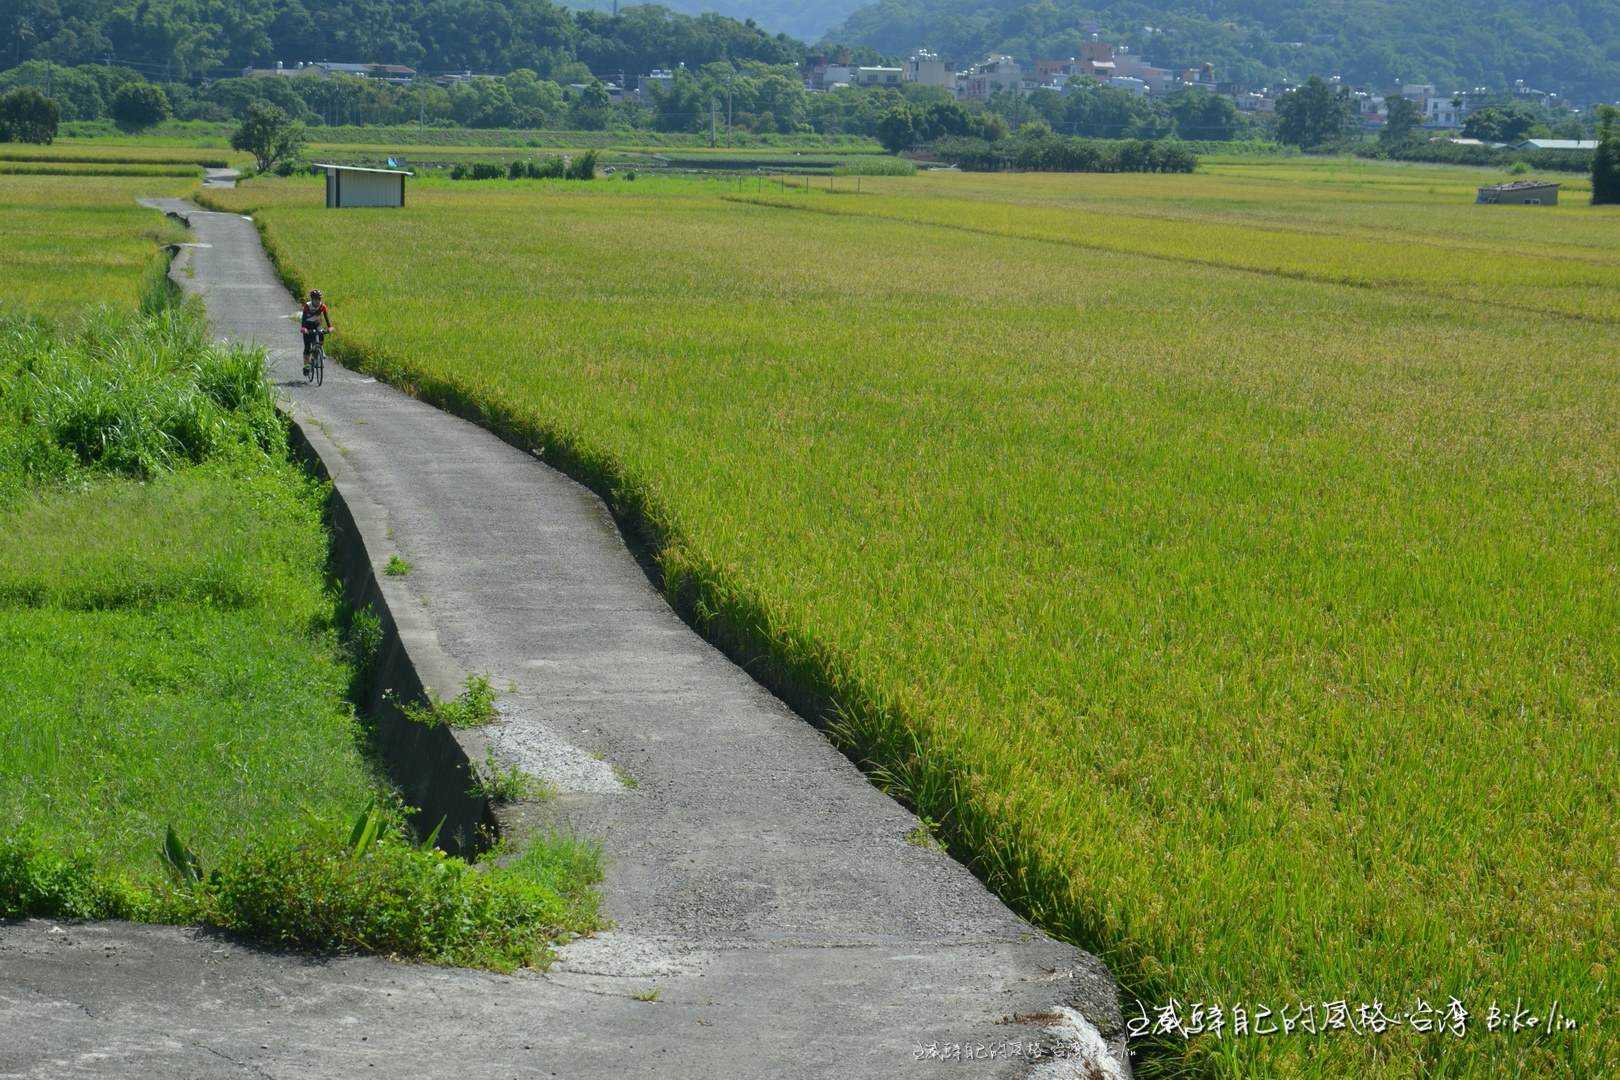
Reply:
x=134 y=150
x=1338 y=230
x=68 y=241
x=1227 y=565
x=93 y=168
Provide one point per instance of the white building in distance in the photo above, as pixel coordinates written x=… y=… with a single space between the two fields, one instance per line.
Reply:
x=927 y=69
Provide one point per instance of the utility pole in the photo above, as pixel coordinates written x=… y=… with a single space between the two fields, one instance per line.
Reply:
x=713 y=108
x=728 y=110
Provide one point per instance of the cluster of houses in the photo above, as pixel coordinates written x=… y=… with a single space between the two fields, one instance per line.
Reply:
x=1115 y=65
x=1112 y=65
x=1447 y=110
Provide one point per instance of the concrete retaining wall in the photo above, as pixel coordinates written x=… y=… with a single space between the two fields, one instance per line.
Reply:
x=433 y=767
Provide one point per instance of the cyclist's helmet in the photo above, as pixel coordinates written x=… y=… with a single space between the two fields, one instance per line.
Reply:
x=314 y=294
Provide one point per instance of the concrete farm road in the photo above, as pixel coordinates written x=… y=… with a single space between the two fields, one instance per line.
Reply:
x=757 y=882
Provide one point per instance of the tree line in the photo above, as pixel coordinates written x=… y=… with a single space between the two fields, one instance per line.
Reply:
x=748 y=95
x=1037 y=148
x=183 y=40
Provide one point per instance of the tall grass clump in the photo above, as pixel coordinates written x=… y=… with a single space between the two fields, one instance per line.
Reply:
x=138 y=397
x=875 y=166
x=555 y=167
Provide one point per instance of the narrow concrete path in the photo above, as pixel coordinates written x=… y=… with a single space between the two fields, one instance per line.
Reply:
x=758 y=882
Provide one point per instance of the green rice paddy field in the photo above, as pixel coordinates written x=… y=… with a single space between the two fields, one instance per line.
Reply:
x=69 y=241
x=1227 y=565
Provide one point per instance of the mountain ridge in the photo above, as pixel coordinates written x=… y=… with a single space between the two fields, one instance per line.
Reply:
x=1571 y=47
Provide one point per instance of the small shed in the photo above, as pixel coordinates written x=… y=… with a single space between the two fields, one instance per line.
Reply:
x=351 y=185
x=1520 y=193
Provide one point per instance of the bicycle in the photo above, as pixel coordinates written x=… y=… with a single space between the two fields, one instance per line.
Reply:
x=315 y=359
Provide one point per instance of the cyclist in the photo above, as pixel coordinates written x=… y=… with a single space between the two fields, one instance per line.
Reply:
x=309 y=321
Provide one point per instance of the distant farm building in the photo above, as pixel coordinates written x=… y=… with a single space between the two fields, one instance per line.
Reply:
x=1558 y=144
x=1520 y=193
x=350 y=185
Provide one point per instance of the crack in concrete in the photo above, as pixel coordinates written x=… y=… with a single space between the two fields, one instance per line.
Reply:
x=250 y=1069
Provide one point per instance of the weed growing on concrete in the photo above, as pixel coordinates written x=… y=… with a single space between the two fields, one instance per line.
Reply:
x=397 y=567
x=362 y=636
x=924 y=835
x=473 y=707
x=507 y=783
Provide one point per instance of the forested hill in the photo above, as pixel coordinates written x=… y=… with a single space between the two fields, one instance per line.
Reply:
x=797 y=18
x=184 y=39
x=1571 y=46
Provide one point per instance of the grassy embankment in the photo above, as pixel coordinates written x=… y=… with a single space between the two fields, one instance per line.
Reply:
x=169 y=640
x=211 y=135
x=1214 y=559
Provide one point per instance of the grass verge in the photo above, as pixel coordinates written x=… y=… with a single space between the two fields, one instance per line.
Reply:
x=180 y=746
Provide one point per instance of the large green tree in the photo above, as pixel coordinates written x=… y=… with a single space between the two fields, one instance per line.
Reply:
x=897 y=129
x=1314 y=114
x=592 y=108
x=78 y=94
x=26 y=115
x=1500 y=123
x=681 y=104
x=269 y=134
x=1606 y=162
x=1105 y=112
x=137 y=106
x=1199 y=114
x=1403 y=121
